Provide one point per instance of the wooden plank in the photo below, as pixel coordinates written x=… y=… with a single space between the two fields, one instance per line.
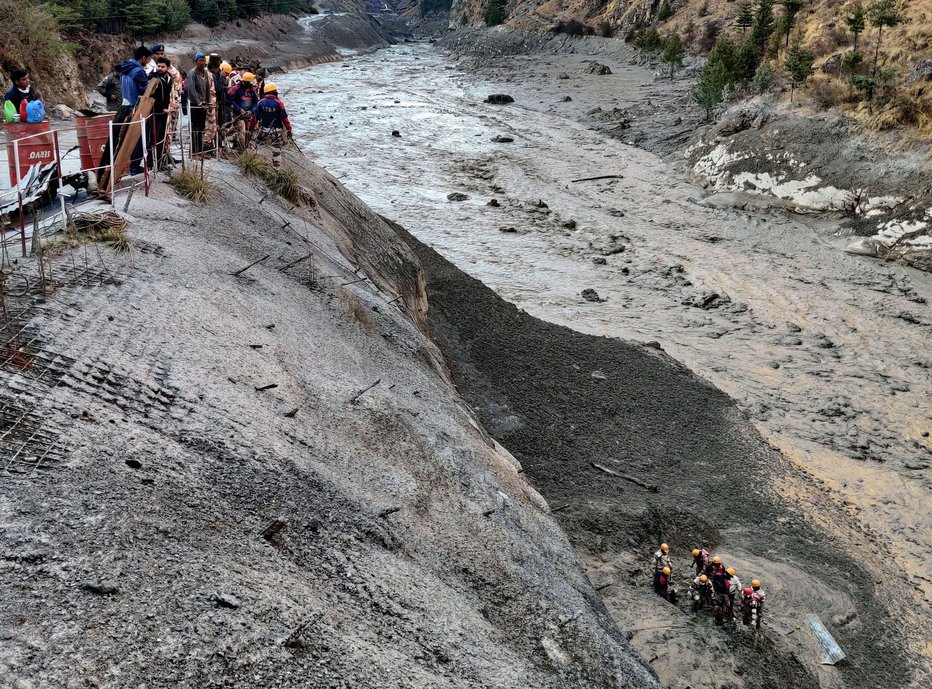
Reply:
x=128 y=139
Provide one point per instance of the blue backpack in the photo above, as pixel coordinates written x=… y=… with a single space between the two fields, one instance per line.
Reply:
x=35 y=111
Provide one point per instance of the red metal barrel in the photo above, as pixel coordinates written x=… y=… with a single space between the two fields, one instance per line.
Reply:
x=93 y=136
x=31 y=150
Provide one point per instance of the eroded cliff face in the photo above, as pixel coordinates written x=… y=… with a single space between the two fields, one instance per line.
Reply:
x=257 y=477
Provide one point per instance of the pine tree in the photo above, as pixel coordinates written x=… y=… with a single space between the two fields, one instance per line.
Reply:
x=763 y=24
x=884 y=13
x=143 y=17
x=495 y=13
x=665 y=11
x=745 y=19
x=710 y=91
x=856 y=22
x=790 y=9
x=798 y=64
x=673 y=52
x=175 y=15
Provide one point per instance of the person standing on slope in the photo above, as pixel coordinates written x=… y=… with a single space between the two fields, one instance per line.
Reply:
x=272 y=124
x=700 y=560
x=661 y=560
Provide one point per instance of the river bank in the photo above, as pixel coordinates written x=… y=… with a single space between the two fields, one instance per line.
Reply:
x=875 y=187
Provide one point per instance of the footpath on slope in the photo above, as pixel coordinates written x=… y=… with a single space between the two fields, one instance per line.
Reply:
x=563 y=402
x=224 y=477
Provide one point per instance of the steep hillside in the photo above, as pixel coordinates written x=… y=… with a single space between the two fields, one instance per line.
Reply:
x=902 y=96
x=216 y=476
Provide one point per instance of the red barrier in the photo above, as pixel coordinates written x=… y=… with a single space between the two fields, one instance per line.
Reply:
x=32 y=150
x=93 y=136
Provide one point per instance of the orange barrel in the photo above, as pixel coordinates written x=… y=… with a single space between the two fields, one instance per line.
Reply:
x=32 y=150
x=93 y=136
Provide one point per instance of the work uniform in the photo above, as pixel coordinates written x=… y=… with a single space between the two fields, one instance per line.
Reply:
x=665 y=588
x=271 y=126
x=734 y=593
x=701 y=592
x=242 y=98
x=701 y=561
x=661 y=560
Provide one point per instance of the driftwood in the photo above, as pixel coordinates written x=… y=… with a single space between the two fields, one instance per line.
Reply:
x=635 y=481
x=589 y=179
x=390 y=510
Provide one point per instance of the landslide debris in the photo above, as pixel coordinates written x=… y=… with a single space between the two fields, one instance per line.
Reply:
x=580 y=411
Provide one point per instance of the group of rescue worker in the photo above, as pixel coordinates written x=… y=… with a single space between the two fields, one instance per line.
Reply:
x=228 y=105
x=714 y=586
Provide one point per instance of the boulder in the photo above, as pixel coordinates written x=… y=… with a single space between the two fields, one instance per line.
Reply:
x=922 y=72
x=62 y=112
x=833 y=65
x=593 y=67
x=499 y=99
x=457 y=196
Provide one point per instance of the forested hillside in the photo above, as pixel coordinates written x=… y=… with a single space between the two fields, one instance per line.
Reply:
x=870 y=58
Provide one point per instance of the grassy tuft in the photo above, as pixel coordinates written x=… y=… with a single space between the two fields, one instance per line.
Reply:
x=252 y=164
x=286 y=184
x=190 y=186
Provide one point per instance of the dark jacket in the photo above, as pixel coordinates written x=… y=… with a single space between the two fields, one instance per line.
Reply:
x=162 y=94
x=15 y=96
x=109 y=88
x=242 y=98
x=270 y=114
x=133 y=81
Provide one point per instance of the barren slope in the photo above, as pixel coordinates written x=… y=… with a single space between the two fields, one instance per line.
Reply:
x=160 y=412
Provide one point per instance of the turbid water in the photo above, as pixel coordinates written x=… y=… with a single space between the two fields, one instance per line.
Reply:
x=827 y=353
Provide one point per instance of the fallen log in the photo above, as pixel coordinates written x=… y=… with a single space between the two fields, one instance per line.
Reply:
x=635 y=481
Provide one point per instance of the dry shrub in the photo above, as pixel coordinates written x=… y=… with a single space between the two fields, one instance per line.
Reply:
x=105 y=227
x=829 y=39
x=908 y=107
x=190 y=186
x=828 y=92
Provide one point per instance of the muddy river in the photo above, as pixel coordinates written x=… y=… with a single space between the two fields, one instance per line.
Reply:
x=827 y=353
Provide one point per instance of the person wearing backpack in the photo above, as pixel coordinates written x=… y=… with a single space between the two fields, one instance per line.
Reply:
x=21 y=92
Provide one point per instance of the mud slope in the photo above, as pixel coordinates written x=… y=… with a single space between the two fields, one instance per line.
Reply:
x=561 y=400
x=161 y=411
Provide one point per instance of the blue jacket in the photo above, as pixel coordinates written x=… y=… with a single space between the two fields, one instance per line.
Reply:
x=133 y=81
x=270 y=114
x=243 y=98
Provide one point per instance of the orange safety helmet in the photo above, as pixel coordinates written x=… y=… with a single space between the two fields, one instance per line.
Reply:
x=664 y=547
x=666 y=570
x=695 y=552
x=703 y=578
